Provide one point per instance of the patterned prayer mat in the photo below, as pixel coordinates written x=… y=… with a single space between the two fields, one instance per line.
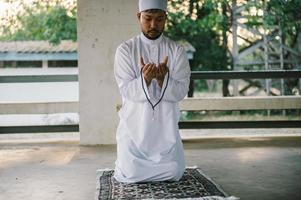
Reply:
x=193 y=185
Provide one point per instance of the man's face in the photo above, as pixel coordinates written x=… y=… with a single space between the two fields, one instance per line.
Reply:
x=152 y=23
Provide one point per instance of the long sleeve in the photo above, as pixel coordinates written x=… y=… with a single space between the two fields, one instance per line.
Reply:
x=179 y=78
x=130 y=85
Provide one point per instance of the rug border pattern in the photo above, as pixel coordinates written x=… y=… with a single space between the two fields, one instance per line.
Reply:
x=100 y=172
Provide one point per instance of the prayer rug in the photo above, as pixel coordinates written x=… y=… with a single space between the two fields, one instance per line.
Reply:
x=193 y=185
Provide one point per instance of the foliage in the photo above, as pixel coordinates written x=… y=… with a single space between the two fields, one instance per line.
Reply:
x=201 y=26
x=40 y=21
x=276 y=13
x=206 y=24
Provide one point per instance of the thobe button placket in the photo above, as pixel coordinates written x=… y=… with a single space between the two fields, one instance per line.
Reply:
x=154 y=54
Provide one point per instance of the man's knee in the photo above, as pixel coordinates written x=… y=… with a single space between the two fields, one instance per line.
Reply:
x=176 y=172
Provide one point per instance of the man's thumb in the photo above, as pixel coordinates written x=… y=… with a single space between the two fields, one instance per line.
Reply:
x=165 y=60
x=142 y=62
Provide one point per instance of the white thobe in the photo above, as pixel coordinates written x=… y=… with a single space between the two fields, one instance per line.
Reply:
x=149 y=146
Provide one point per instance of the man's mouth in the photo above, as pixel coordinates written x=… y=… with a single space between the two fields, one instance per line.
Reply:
x=153 y=31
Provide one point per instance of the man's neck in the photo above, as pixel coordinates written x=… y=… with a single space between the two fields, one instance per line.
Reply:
x=152 y=38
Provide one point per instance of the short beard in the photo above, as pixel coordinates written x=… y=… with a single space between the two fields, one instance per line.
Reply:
x=151 y=37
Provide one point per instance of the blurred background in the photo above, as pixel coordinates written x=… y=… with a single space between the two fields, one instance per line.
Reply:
x=38 y=39
x=39 y=62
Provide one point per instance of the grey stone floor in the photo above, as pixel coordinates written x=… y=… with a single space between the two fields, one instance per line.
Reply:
x=249 y=168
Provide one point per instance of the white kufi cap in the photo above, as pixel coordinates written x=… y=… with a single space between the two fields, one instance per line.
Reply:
x=152 y=4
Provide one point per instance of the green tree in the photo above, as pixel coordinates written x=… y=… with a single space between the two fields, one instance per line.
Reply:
x=42 y=22
x=202 y=27
x=277 y=13
x=284 y=15
x=204 y=24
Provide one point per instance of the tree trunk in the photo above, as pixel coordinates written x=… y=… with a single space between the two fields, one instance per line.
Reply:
x=226 y=83
x=226 y=92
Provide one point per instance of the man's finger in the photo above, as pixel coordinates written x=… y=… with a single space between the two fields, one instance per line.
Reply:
x=165 y=60
x=161 y=69
x=153 y=70
x=164 y=69
x=142 y=62
x=149 y=68
x=144 y=68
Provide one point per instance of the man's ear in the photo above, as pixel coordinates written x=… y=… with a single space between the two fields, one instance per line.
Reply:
x=166 y=18
x=138 y=16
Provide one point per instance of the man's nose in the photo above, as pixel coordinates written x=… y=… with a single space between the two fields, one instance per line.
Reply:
x=153 y=24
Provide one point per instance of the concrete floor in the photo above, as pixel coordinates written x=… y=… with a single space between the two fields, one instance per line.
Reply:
x=249 y=168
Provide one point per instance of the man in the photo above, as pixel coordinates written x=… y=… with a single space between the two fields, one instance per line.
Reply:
x=152 y=73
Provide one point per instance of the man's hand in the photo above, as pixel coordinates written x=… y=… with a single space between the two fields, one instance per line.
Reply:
x=149 y=71
x=161 y=71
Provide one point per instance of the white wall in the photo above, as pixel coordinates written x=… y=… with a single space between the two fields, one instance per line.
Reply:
x=102 y=26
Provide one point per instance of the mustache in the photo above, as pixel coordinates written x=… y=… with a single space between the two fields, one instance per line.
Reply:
x=153 y=30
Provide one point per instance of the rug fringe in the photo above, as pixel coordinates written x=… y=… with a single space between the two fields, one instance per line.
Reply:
x=192 y=167
x=99 y=173
x=203 y=198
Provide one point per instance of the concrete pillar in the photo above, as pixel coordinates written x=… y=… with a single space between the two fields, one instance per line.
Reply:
x=102 y=26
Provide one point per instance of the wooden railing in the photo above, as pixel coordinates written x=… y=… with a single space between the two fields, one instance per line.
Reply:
x=189 y=104
x=243 y=103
